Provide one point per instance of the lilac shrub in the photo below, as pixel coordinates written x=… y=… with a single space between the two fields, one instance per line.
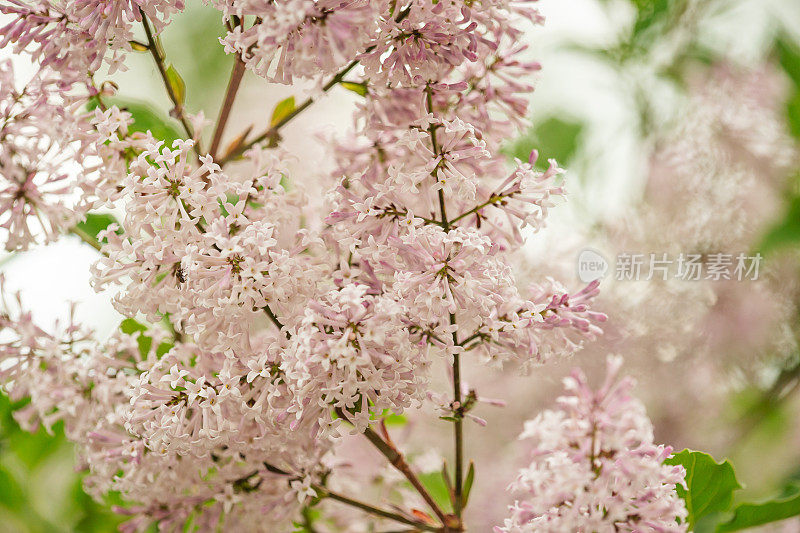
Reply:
x=276 y=326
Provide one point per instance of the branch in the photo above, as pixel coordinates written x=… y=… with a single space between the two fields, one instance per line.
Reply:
x=274 y=320
x=324 y=492
x=272 y=132
x=458 y=426
x=493 y=199
x=162 y=70
x=397 y=460
x=230 y=95
x=85 y=237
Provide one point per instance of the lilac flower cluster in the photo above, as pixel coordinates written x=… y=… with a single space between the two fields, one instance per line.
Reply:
x=284 y=327
x=594 y=466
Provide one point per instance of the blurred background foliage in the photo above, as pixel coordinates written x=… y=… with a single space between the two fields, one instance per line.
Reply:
x=40 y=491
x=654 y=47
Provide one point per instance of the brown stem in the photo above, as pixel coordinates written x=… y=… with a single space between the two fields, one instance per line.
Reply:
x=230 y=96
x=397 y=460
x=458 y=429
x=371 y=509
x=162 y=71
x=324 y=492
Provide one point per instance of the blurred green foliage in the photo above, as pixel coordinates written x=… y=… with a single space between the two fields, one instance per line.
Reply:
x=554 y=137
x=39 y=490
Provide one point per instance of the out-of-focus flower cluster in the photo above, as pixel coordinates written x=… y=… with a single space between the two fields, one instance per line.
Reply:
x=594 y=466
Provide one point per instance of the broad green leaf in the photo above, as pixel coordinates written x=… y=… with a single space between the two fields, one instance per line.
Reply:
x=284 y=108
x=95 y=223
x=793 y=113
x=749 y=515
x=710 y=484
x=11 y=494
x=392 y=419
x=177 y=84
x=129 y=326
x=358 y=88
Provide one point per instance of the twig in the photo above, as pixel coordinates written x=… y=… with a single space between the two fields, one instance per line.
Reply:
x=397 y=460
x=85 y=237
x=324 y=492
x=162 y=70
x=230 y=95
x=274 y=320
x=458 y=426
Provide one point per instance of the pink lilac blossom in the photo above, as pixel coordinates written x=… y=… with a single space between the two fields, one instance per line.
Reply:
x=281 y=327
x=298 y=38
x=45 y=145
x=180 y=431
x=75 y=37
x=353 y=354
x=594 y=466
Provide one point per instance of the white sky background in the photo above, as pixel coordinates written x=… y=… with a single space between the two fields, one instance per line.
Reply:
x=569 y=83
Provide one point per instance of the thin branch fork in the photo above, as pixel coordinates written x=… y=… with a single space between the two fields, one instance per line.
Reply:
x=396 y=458
x=324 y=492
x=272 y=131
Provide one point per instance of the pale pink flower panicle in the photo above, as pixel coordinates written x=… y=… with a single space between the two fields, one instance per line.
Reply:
x=594 y=466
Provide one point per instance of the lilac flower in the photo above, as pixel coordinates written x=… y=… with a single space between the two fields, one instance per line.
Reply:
x=594 y=466
x=354 y=353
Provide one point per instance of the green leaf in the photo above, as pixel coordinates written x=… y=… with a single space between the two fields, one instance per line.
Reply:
x=358 y=88
x=11 y=494
x=789 y=58
x=392 y=419
x=129 y=326
x=648 y=14
x=793 y=114
x=284 y=108
x=437 y=488
x=468 y=481
x=555 y=138
x=177 y=85
x=95 y=223
x=749 y=515
x=786 y=231
x=710 y=484
x=138 y=47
